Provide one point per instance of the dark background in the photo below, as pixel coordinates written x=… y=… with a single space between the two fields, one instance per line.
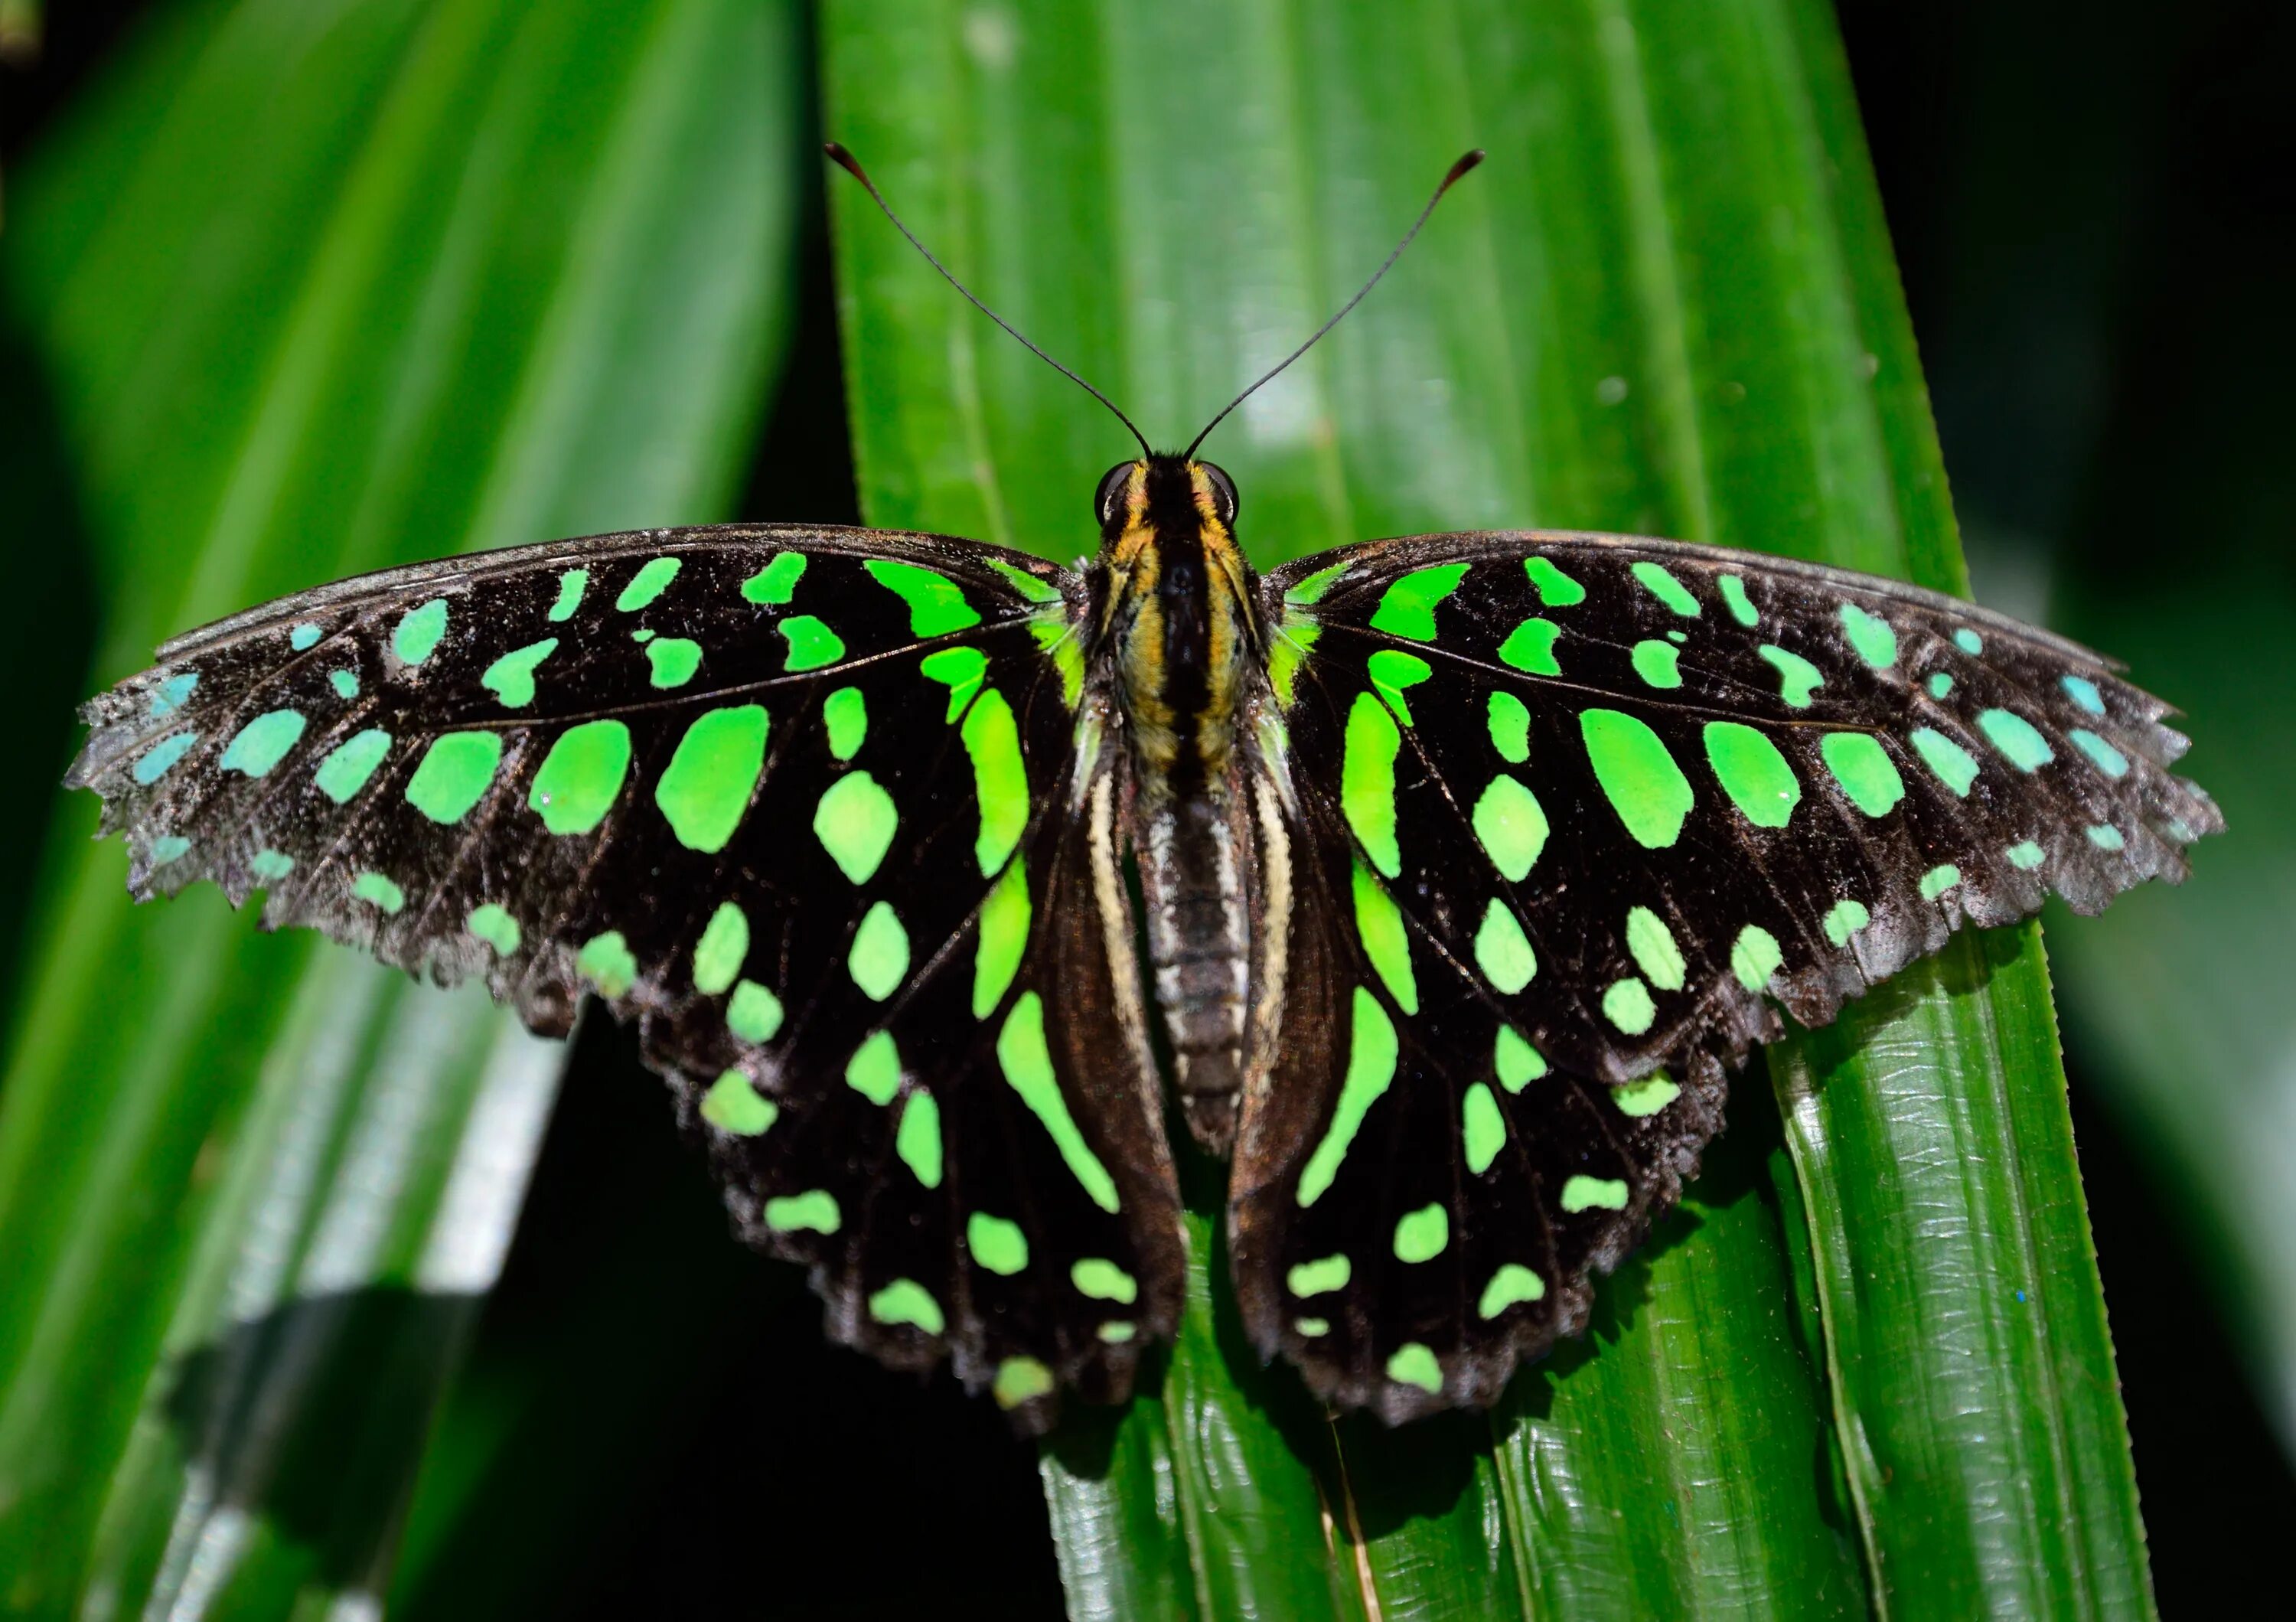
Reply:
x=2092 y=210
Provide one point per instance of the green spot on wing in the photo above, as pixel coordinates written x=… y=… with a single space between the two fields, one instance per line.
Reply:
x=1104 y=1280
x=1027 y=1066
x=706 y=788
x=1660 y=582
x=674 y=660
x=1940 y=879
x=1627 y=1004
x=1502 y=951
x=2025 y=855
x=854 y=822
x=846 y=715
x=263 y=742
x=1311 y=589
x=1482 y=1130
x=1638 y=776
x=1367 y=781
x=1969 y=642
x=2020 y=742
x=270 y=866
x=1655 y=663
x=1021 y=1380
x=303 y=636
x=511 y=677
x=1423 y=1235
x=1512 y=1285
x=1798 y=678
x=1844 y=919
x=1870 y=635
x=1000 y=779
x=607 y=963
x=874 y=1071
x=1652 y=945
x=1319 y=1277
x=2083 y=692
x=2107 y=759
x=419 y=631
x=345 y=682
x=493 y=924
x=772 y=586
x=1512 y=825
x=1752 y=773
x=172 y=694
x=1004 y=939
x=2105 y=836
x=570 y=586
x=351 y=762
x=379 y=890
x=169 y=847
x=1515 y=1063
x=1379 y=922
x=1646 y=1097
x=719 y=954
x=1407 y=607
x=1509 y=727
x=1741 y=607
x=1952 y=764
x=998 y=1245
x=1372 y=1053
x=1940 y=685
x=815 y=1210
x=918 y=1141
x=961 y=670
x=811 y=644
x=1530 y=646
x=906 y=1302
x=454 y=774
x=1583 y=1193
x=1415 y=1363
x=936 y=603
x=753 y=1013
x=651 y=579
x=580 y=776
x=880 y=958
x=1392 y=670
x=1755 y=957
x=1864 y=771
x=732 y=1106
x=1036 y=588
x=1555 y=589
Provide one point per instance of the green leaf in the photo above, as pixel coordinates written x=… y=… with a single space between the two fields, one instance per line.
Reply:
x=299 y=291
x=1666 y=305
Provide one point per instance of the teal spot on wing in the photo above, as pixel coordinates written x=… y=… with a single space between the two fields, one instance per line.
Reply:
x=1864 y=770
x=1870 y=635
x=1753 y=773
x=811 y=642
x=1660 y=582
x=1844 y=919
x=1969 y=642
x=263 y=742
x=723 y=947
x=169 y=847
x=419 y=631
x=1510 y=727
x=874 y=1071
x=1004 y=939
x=1940 y=685
x=1320 y=1276
x=269 y=866
x=1379 y=922
x=2083 y=692
x=845 y=713
x=2025 y=855
x=1798 y=678
x=1638 y=776
x=1530 y=646
x=351 y=762
x=2107 y=759
x=999 y=1245
x=918 y=1141
x=345 y=682
x=1585 y=1193
x=1407 y=607
x=1027 y=1066
x=1372 y=1054
x=733 y=1107
x=607 y=964
x=1415 y=1363
x=2105 y=836
x=773 y=585
x=2020 y=742
x=378 y=890
x=153 y=762
x=1482 y=1129
x=936 y=603
x=303 y=636
x=1424 y=1234
x=1952 y=764
x=493 y=924
x=454 y=775
x=705 y=790
x=170 y=695
x=1392 y=670
x=653 y=578
x=581 y=776
x=753 y=1013
x=854 y=822
x=570 y=587
x=1627 y=1004
x=1000 y=779
x=1741 y=607
x=1555 y=589
x=1512 y=1285
x=674 y=660
x=1512 y=825
x=880 y=959
x=962 y=670
x=1755 y=957
x=1503 y=951
x=1654 y=662
x=1367 y=781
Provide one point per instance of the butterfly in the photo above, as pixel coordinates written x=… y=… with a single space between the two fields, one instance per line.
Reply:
x=1434 y=883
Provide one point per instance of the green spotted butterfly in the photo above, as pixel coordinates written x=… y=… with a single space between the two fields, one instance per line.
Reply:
x=1435 y=882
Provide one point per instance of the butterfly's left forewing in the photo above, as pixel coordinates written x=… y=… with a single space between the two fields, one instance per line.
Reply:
x=806 y=805
x=1578 y=816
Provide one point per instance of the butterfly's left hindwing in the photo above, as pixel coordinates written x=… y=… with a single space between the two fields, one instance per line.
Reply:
x=1578 y=816
x=799 y=801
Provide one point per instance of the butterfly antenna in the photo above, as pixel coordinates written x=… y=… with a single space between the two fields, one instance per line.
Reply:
x=851 y=165
x=1458 y=171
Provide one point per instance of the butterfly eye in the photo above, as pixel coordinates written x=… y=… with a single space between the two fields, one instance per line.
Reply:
x=1223 y=492
x=1112 y=490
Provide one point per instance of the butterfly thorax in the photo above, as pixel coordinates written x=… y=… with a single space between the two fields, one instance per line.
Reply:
x=1179 y=627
